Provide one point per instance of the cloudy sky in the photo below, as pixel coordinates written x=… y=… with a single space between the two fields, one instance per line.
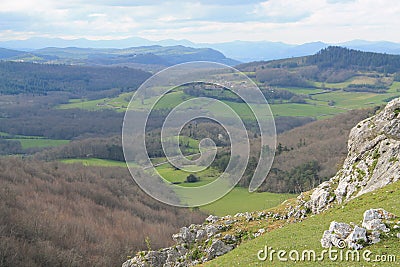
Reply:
x=291 y=21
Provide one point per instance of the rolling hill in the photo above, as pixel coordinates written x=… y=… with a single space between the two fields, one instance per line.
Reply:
x=148 y=57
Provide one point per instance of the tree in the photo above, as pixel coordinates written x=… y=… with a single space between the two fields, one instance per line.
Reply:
x=192 y=178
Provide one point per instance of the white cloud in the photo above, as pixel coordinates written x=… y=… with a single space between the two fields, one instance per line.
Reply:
x=291 y=21
x=285 y=10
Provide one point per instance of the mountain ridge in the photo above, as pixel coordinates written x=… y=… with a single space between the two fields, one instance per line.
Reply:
x=244 y=51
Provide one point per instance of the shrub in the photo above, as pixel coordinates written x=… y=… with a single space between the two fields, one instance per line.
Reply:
x=192 y=178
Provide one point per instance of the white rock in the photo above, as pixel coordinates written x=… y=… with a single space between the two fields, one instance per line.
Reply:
x=340 y=229
x=212 y=219
x=217 y=248
x=358 y=234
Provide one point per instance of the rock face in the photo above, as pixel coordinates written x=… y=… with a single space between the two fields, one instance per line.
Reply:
x=372 y=161
x=375 y=223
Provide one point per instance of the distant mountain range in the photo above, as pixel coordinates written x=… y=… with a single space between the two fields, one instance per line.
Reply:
x=150 y=58
x=243 y=51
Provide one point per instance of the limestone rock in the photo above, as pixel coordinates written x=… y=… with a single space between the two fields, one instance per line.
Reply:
x=212 y=219
x=374 y=237
x=217 y=248
x=355 y=238
x=330 y=239
x=343 y=235
x=373 y=160
x=373 y=219
x=341 y=229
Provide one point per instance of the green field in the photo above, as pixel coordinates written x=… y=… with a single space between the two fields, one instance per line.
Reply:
x=241 y=200
x=40 y=143
x=306 y=235
x=305 y=110
x=96 y=162
x=121 y=102
x=27 y=141
x=172 y=175
x=303 y=91
x=316 y=107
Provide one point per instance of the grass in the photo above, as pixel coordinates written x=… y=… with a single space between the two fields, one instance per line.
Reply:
x=241 y=200
x=317 y=107
x=305 y=110
x=95 y=162
x=40 y=143
x=307 y=234
x=172 y=175
x=354 y=100
x=302 y=91
x=28 y=141
x=121 y=102
x=354 y=80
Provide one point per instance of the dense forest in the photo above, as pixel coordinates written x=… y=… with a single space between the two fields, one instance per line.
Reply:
x=53 y=214
x=344 y=58
x=40 y=79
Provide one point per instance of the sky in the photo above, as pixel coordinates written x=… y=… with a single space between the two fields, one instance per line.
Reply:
x=203 y=21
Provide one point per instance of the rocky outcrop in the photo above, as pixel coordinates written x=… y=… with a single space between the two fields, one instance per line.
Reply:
x=200 y=243
x=372 y=161
x=376 y=222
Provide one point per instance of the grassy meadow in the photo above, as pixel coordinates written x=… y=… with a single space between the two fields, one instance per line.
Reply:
x=306 y=235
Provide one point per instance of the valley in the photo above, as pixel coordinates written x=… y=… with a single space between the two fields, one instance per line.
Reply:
x=60 y=140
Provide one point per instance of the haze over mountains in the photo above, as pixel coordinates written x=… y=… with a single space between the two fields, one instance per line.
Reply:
x=244 y=51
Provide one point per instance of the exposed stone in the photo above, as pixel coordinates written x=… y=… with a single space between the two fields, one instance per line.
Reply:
x=217 y=248
x=211 y=230
x=184 y=236
x=375 y=224
x=330 y=239
x=373 y=219
x=374 y=237
x=228 y=222
x=201 y=235
x=356 y=238
x=239 y=214
x=229 y=239
x=212 y=219
x=374 y=144
x=377 y=214
x=342 y=234
x=342 y=230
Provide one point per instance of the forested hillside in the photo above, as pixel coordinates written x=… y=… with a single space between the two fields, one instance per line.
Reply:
x=54 y=214
x=344 y=58
x=40 y=79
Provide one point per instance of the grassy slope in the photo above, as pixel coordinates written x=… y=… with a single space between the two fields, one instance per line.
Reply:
x=241 y=200
x=307 y=234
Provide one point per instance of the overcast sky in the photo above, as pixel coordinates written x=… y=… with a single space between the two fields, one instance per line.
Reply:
x=211 y=21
